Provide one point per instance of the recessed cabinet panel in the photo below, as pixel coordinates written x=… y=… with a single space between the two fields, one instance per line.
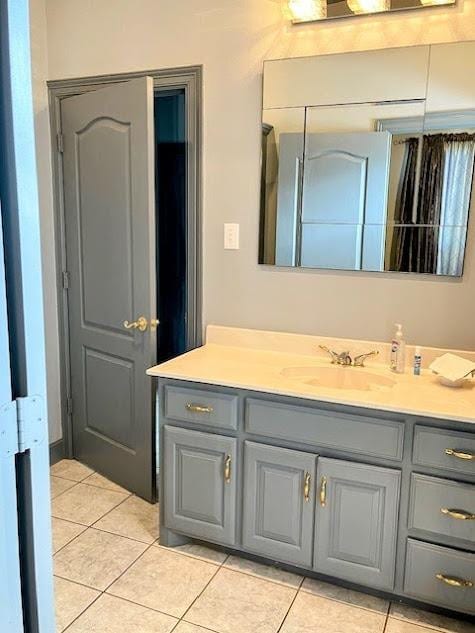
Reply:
x=356 y=522
x=279 y=502
x=200 y=484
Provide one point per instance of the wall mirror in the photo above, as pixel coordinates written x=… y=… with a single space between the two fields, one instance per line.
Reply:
x=383 y=184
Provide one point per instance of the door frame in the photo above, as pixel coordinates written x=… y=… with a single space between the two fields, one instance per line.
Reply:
x=190 y=79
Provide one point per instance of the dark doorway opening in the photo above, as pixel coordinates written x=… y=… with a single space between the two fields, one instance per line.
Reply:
x=171 y=203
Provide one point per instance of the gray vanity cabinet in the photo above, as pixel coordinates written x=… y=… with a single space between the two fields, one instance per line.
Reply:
x=200 y=484
x=356 y=522
x=279 y=503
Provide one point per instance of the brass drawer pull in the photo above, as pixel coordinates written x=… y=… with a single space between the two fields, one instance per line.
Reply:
x=323 y=492
x=453 y=581
x=306 y=487
x=227 y=469
x=198 y=408
x=462 y=515
x=460 y=454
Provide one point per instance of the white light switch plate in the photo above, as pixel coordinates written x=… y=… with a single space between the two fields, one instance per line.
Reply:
x=231 y=236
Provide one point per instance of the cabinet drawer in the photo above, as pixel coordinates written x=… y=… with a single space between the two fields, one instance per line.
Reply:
x=443 y=448
x=200 y=406
x=443 y=507
x=428 y=565
x=345 y=432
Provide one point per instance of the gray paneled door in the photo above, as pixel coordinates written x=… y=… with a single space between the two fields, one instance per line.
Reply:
x=109 y=202
x=356 y=522
x=279 y=502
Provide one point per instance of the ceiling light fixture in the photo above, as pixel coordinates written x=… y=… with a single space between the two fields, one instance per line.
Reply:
x=307 y=10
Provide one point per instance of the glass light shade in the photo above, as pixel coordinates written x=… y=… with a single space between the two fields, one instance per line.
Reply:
x=368 y=6
x=308 y=10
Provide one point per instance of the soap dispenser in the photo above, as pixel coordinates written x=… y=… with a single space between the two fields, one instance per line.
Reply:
x=398 y=351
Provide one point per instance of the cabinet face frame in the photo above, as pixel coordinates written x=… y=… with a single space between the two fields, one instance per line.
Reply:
x=404 y=464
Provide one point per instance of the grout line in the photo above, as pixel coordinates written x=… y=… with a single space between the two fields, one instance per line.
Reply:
x=76 y=483
x=82 y=612
x=73 y=539
x=218 y=568
x=290 y=605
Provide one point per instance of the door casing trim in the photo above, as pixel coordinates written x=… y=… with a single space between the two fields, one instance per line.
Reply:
x=190 y=78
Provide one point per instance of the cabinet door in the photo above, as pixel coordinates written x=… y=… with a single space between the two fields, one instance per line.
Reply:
x=279 y=503
x=356 y=522
x=200 y=484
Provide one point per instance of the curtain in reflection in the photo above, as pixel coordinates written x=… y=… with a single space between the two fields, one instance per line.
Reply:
x=458 y=175
x=401 y=243
x=416 y=246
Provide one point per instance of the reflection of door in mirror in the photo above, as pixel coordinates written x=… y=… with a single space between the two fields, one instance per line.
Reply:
x=344 y=200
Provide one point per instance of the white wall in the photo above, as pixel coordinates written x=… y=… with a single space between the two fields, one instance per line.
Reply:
x=231 y=38
x=39 y=56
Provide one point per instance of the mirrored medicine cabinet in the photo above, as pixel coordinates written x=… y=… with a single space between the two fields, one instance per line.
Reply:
x=368 y=160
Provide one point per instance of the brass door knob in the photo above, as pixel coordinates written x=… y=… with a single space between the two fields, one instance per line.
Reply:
x=141 y=324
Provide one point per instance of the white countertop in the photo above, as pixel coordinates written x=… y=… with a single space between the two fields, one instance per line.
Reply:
x=261 y=370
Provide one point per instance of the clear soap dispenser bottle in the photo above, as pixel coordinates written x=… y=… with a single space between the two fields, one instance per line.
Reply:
x=398 y=351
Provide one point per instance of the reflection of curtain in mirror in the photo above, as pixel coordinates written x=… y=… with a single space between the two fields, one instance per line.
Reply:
x=458 y=175
x=400 y=247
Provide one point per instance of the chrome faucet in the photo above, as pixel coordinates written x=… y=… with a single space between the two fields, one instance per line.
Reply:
x=344 y=358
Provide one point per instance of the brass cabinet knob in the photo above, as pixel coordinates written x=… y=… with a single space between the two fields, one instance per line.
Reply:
x=198 y=408
x=460 y=454
x=227 y=469
x=323 y=492
x=453 y=581
x=461 y=515
x=306 y=487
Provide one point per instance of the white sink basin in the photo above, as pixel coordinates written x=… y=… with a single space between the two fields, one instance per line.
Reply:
x=339 y=378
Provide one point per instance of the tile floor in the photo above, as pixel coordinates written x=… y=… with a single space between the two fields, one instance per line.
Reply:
x=112 y=576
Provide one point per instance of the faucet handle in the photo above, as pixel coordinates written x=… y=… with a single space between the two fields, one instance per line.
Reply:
x=333 y=354
x=360 y=360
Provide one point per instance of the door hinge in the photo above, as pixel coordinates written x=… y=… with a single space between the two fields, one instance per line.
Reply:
x=31 y=422
x=69 y=406
x=22 y=425
x=60 y=142
x=65 y=279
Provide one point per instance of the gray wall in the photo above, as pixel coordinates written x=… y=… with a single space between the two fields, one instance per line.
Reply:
x=231 y=38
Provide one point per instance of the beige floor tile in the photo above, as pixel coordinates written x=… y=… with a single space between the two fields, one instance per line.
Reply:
x=96 y=558
x=70 y=601
x=238 y=602
x=268 y=572
x=113 y=615
x=135 y=518
x=102 y=482
x=165 y=581
x=186 y=627
x=58 y=485
x=196 y=550
x=85 y=504
x=311 y=614
x=432 y=620
x=64 y=532
x=348 y=596
x=401 y=626
x=71 y=469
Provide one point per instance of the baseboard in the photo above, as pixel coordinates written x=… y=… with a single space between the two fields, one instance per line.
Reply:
x=56 y=452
